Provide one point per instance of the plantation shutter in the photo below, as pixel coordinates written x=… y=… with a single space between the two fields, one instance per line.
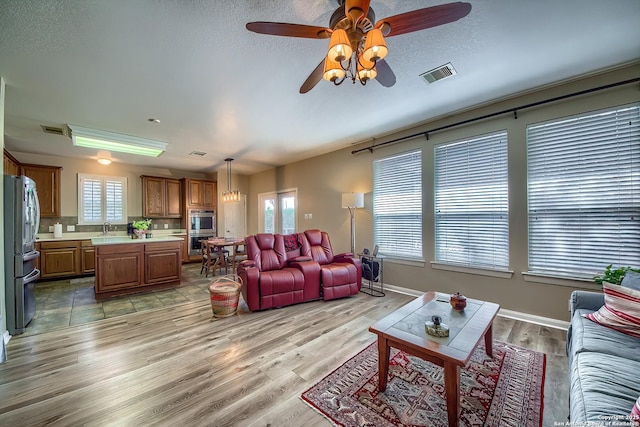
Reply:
x=584 y=192
x=472 y=202
x=397 y=205
x=102 y=199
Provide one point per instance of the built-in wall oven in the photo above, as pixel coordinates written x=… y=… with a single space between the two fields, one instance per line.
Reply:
x=202 y=225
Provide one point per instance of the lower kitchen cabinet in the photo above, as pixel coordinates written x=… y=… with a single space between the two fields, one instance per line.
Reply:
x=137 y=267
x=59 y=259
x=87 y=257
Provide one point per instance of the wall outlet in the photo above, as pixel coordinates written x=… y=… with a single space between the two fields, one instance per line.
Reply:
x=155 y=226
x=51 y=229
x=166 y=226
x=71 y=228
x=308 y=216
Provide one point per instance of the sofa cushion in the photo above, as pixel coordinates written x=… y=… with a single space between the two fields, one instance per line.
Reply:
x=631 y=280
x=621 y=309
x=603 y=386
x=635 y=414
x=588 y=336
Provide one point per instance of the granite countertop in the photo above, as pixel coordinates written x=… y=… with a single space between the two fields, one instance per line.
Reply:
x=157 y=235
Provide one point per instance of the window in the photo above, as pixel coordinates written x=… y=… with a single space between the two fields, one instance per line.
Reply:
x=472 y=202
x=584 y=192
x=397 y=205
x=102 y=199
x=278 y=212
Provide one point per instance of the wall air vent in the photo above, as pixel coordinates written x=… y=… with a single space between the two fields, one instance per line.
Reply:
x=63 y=131
x=197 y=153
x=439 y=73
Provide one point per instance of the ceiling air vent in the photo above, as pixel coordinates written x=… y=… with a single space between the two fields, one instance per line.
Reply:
x=439 y=73
x=55 y=130
x=197 y=153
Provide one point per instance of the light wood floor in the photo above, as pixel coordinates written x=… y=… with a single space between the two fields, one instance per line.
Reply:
x=177 y=366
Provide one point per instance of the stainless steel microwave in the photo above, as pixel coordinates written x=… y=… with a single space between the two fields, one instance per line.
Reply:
x=202 y=221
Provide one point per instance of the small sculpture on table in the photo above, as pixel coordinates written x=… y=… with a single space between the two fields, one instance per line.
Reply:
x=458 y=302
x=436 y=328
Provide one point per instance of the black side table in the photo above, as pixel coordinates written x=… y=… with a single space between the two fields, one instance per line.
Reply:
x=375 y=282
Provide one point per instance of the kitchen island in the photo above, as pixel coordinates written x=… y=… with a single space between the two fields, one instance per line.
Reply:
x=126 y=266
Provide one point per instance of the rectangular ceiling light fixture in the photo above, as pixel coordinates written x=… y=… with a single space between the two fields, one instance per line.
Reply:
x=110 y=141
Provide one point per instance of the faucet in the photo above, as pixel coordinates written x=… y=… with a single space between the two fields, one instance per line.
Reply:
x=105 y=228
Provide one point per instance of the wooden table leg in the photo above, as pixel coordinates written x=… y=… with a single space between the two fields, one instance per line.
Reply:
x=488 y=341
x=383 y=362
x=452 y=389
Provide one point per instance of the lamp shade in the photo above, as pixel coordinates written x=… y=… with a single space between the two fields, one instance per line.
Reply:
x=375 y=48
x=366 y=70
x=353 y=200
x=332 y=70
x=339 y=46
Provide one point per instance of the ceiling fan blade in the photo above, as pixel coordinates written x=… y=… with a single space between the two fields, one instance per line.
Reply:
x=385 y=75
x=289 y=30
x=422 y=19
x=313 y=79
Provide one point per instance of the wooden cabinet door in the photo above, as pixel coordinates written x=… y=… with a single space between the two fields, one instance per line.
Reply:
x=173 y=199
x=209 y=195
x=47 y=179
x=59 y=262
x=11 y=165
x=87 y=257
x=119 y=267
x=163 y=262
x=194 y=193
x=153 y=197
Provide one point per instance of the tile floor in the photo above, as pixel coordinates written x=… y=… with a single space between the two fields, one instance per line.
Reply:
x=64 y=303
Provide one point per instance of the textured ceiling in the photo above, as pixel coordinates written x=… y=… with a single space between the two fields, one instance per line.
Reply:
x=223 y=90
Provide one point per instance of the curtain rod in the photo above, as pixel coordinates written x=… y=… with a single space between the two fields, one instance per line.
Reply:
x=513 y=110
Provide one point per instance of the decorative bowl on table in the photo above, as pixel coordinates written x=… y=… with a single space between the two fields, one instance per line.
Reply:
x=458 y=302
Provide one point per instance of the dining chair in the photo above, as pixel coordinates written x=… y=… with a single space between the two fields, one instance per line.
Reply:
x=239 y=253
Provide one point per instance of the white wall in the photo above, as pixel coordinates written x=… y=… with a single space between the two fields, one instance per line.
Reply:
x=321 y=180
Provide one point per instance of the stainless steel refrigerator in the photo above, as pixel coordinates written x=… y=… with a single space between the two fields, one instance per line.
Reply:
x=21 y=222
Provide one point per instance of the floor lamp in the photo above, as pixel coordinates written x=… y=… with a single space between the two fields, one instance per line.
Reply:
x=352 y=201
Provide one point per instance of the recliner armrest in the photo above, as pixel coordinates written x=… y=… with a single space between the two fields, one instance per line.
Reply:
x=247 y=263
x=299 y=259
x=344 y=255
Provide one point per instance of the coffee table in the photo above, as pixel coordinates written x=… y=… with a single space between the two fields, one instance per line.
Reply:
x=404 y=329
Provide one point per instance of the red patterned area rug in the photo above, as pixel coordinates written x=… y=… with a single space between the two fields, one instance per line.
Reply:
x=506 y=390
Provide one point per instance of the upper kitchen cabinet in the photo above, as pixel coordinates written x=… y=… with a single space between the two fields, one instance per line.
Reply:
x=161 y=197
x=11 y=165
x=47 y=179
x=200 y=194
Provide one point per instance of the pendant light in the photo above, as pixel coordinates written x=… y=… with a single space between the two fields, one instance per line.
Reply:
x=229 y=195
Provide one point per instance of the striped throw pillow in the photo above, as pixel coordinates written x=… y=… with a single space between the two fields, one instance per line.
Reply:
x=621 y=309
x=635 y=414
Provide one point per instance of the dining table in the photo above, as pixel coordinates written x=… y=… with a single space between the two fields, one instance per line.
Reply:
x=217 y=245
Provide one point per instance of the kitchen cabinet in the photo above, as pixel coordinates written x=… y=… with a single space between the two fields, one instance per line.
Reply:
x=59 y=259
x=200 y=194
x=126 y=268
x=47 y=179
x=87 y=257
x=161 y=197
x=162 y=262
x=11 y=165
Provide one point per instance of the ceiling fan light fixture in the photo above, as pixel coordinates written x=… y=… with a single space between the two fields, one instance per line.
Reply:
x=375 y=48
x=366 y=70
x=333 y=71
x=339 y=46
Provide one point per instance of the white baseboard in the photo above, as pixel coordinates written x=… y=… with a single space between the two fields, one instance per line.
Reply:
x=510 y=314
x=6 y=337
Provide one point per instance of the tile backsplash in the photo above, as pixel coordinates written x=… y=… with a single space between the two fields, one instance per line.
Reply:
x=45 y=223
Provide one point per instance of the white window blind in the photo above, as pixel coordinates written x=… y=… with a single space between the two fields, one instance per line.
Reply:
x=102 y=199
x=397 y=205
x=584 y=192
x=472 y=202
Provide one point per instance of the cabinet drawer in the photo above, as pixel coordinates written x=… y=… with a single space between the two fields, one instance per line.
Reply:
x=162 y=246
x=63 y=244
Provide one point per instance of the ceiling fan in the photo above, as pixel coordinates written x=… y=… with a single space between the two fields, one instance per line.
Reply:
x=357 y=47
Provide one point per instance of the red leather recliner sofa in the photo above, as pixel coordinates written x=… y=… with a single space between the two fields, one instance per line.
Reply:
x=285 y=270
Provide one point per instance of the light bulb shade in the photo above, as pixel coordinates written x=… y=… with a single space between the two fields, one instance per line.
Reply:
x=339 y=46
x=231 y=196
x=375 y=48
x=353 y=200
x=366 y=70
x=332 y=70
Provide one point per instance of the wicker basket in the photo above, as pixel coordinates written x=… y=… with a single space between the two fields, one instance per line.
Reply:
x=225 y=293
